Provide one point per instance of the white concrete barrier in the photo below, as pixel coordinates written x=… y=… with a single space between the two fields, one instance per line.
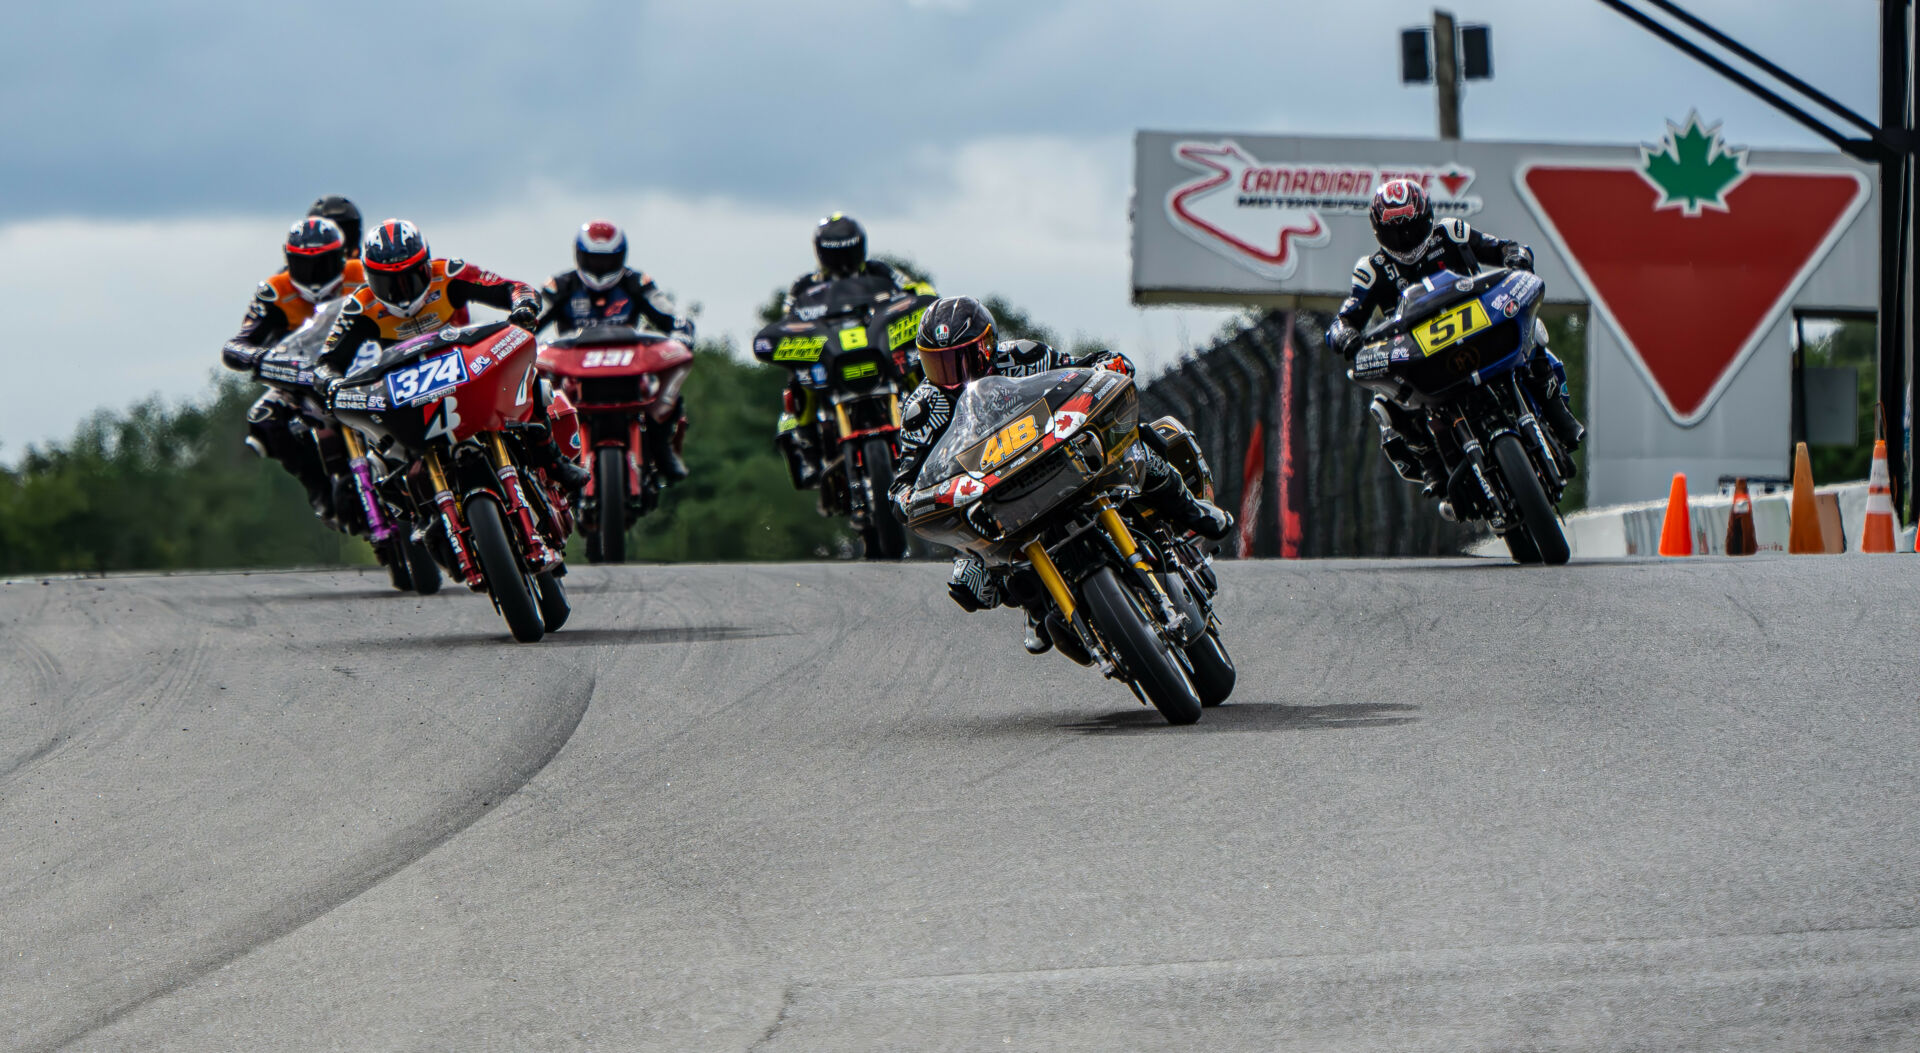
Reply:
x=1634 y=530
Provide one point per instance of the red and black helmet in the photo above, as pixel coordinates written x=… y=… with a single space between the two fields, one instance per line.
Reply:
x=957 y=342
x=345 y=215
x=1402 y=218
x=398 y=267
x=600 y=254
x=316 y=258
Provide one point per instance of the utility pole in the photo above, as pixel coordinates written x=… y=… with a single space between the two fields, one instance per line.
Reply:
x=1897 y=297
x=1446 y=73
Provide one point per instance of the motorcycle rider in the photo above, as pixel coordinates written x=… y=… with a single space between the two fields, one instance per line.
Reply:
x=602 y=290
x=959 y=343
x=410 y=292
x=840 y=246
x=1412 y=248
x=317 y=270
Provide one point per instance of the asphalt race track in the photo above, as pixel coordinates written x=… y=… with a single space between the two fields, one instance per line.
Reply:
x=1454 y=806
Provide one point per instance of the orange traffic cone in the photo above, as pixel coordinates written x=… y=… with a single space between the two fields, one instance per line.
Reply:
x=1805 y=536
x=1676 y=531
x=1877 y=535
x=1741 y=538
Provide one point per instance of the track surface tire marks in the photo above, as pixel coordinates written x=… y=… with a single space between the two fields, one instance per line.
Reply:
x=1454 y=805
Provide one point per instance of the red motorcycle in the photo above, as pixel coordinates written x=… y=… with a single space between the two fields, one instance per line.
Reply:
x=613 y=375
x=457 y=405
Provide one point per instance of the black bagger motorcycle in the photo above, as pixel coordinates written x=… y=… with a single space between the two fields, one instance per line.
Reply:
x=854 y=357
x=1452 y=356
x=345 y=457
x=1039 y=473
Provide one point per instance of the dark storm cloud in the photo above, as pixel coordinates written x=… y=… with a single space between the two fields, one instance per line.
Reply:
x=129 y=109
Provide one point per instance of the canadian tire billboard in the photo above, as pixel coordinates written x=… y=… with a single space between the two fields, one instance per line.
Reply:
x=1691 y=255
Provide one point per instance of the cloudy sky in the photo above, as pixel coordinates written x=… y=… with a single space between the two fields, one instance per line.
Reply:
x=154 y=154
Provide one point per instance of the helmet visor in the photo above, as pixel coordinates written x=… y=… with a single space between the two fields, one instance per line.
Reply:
x=1403 y=236
x=399 y=288
x=316 y=270
x=952 y=367
x=602 y=265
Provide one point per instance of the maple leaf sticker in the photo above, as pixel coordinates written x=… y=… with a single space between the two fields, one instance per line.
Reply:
x=1693 y=169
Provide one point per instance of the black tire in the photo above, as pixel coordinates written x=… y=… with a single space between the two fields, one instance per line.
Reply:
x=1146 y=658
x=1536 y=512
x=1520 y=546
x=1212 y=669
x=393 y=552
x=554 y=607
x=886 y=538
x=610 y=490
x=425 y=572
x=507 y=580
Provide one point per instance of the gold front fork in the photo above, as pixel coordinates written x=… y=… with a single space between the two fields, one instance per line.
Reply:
x=1129 y=549
x=1050 y=577
x=496 y=450
x=437 y=475
x=356 y=449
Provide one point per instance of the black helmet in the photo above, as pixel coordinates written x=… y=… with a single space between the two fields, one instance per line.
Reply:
x=398 y=267
x=840 y=243
x=956 y=342
x=1402 y=218
x=316 y=258
x=344 y=216
x=600 y=254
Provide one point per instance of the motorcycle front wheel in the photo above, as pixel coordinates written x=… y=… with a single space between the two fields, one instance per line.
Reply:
x=1146 y=658
x=610 y=490
x=507 y=580
x=554 y=607
x=1536 y=512
x=885 y=536
x=420 y=565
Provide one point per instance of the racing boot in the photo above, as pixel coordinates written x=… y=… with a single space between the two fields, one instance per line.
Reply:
x=543 y=452
x=972 y=586
x=800 y=444
x=661 y=439
x=1167 y=495
x=1408 y=447
x=1038 y=640
x=1546 y=379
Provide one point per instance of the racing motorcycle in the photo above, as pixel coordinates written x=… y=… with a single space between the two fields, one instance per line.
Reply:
x=1037 y=474
x=1452 y=356
x=613 y=374
x=288 y=369
x=853 y=353
x=455 y=406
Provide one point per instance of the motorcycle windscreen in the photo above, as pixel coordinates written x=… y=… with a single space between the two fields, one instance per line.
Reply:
x=303 y=344
x=991 y=411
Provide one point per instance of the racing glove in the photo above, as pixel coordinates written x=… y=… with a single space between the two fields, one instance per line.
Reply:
x=1343 y=338
x=525 y=315
x=241 y=357
x=1517 y=257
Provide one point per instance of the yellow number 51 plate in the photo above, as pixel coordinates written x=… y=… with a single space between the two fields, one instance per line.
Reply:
x=1451 y=328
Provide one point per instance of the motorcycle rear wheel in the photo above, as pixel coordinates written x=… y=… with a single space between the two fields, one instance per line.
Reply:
x=554 y=607
x=393 y=552
x=507 y=580
x=1213 y=672
x=420 y=565
x=610 y=490
x=1537 y=516
x=1146 y=658
x=885 y=536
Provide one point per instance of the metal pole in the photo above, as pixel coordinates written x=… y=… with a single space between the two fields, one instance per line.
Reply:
x=1446 y=73
x=1896 y=220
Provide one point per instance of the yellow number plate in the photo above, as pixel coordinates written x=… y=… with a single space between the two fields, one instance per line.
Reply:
x=799 y=349
x=853 y=338
x=902 y=331
x=1452 y=327
x=1012 y=439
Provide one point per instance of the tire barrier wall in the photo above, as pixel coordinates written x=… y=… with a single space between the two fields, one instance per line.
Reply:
x=1295 y=455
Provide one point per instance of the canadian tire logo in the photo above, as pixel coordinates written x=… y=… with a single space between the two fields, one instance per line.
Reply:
x=1261 y=215
x=1691 y=255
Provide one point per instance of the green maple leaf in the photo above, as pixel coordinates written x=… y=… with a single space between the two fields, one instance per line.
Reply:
x=1693 y=168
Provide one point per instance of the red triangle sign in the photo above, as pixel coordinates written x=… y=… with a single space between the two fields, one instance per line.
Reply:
x=1691 y=269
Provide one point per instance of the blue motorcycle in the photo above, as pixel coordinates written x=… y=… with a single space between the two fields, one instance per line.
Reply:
x=1452 y=356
